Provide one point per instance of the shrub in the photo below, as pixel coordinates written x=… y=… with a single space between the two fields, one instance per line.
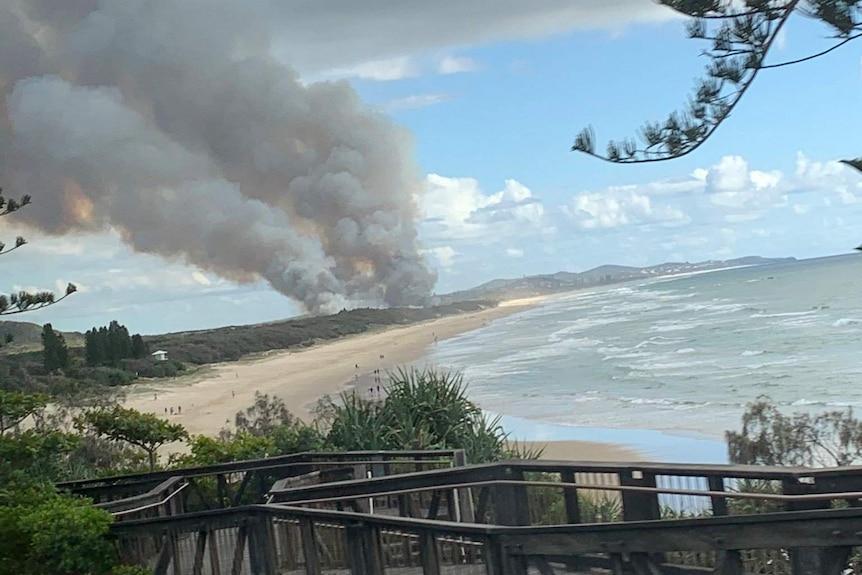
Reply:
x=46 y=532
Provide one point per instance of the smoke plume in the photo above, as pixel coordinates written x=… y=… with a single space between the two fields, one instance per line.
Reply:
x=170 y=121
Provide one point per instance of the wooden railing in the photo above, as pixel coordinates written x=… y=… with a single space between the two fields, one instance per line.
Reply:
x=270 y=539
x=248 y=482
x=520 y=517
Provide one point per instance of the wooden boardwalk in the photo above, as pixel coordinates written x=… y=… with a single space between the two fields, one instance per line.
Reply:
x=411 y=514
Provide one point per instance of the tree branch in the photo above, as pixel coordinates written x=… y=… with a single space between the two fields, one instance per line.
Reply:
x=680 y=136
x=813 y=56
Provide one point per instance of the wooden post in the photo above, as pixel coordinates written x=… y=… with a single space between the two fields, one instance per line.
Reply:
x=215 y=563
x=429 y=552
x=463 y=497
x=510 y=501
x=639 y=506
x=829 y=561
x=728 y=563
x=573 y=511
x=239 y=550
x=363 y=543
x=222 y=491
x=719 y=503
x=261 y=547
x=200 y=548
x=809 y=561
x=165 y=555
x=309 y=547
x=494 y=556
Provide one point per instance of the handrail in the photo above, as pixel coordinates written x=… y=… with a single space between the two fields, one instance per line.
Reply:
x=449 y=477
x=154 y=492
x=307 y=457
x=151 y=505
x=825 y=496
x=193 y=521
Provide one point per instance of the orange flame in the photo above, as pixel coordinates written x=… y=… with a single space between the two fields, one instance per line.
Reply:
x=78 y=207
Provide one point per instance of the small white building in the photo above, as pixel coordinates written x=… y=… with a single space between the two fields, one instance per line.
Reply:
x=159 y=355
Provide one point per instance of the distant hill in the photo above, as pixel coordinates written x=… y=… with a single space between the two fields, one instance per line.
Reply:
x=27 y=336
x=529 y=286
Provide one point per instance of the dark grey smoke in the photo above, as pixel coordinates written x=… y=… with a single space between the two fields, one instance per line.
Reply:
x=170 y=121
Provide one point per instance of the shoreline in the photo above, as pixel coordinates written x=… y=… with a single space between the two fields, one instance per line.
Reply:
x=210 y=397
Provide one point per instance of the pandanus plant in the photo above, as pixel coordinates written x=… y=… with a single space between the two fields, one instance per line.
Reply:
x=423 y=409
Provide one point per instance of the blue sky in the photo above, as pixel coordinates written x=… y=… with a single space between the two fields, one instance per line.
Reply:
x=493 y=106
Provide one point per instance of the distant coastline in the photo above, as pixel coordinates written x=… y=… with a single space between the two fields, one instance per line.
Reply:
x=562 y=282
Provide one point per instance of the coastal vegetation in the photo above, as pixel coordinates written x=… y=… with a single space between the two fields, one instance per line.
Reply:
x=770 y=437
x=108 y=357
x=425 y=409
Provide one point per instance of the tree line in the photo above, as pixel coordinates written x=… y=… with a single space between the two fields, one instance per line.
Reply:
x=108 y=345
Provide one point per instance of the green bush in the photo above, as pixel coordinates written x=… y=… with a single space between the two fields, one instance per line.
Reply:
x=107 y=376
x=46 y=532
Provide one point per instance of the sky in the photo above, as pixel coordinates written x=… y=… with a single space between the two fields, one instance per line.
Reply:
x=493 y=95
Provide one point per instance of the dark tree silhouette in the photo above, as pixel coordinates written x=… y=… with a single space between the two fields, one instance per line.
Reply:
x=109 y=345
x=742 y=34
x=55 y=354
x=139 y=348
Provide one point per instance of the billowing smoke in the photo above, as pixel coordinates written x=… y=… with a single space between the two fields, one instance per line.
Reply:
x=170 y=121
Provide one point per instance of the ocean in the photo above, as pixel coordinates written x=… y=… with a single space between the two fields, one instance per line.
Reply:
x=666 y=365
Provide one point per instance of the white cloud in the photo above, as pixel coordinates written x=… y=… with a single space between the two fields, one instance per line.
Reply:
x=341 y=34
x=416 y=101
x=615 y=208
x=847 y=195
x=443 y=256
x=515 y=253
x=456 y=65
x=812 y=172
x=457 y=208
x=384 y=70
x=729 y=209
x=732 y=184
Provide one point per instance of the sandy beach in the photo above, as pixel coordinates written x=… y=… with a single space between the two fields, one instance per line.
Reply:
x=207 y=401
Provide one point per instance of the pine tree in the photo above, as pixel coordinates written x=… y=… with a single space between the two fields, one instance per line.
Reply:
x=55 y=354
x=90 y=348
x=103 y=343
x=140 y=349
x=119 y=342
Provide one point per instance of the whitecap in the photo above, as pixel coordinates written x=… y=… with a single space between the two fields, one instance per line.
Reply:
x=783 y=314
